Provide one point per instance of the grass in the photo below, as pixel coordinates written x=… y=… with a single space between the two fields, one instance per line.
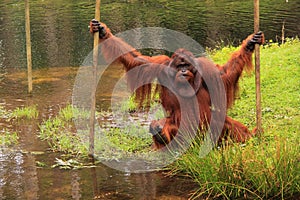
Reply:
x=266 y=167
x=59 y=133
x=122 y=138
x=7 y=136
x=129 y=126
x=4 y=114
x=28 y=112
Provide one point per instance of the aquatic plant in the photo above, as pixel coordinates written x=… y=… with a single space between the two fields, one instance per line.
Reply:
x=61 y=134
x=8 y=138
x=58 y=132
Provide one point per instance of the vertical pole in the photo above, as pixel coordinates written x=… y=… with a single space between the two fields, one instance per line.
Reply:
x=282 y=32
x=94 y=84
x=95 y=182
x=28 y=46
x=257 y=71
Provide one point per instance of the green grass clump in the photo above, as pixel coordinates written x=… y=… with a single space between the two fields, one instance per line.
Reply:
x=123 y=142
x=4 y=114
x=130 y=139
x=29 y=112
x=265 y=167
x=8 y=138
x=60 y=134
x=259 y=169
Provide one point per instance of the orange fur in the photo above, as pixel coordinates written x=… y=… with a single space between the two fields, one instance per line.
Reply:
x=114 y=48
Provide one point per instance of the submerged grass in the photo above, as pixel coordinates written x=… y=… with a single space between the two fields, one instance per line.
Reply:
x=110 y=142
x=60 y=134
x=266 y=167
x=7 y=136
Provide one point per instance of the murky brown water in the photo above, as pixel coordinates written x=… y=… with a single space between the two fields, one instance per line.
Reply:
x=20 y=178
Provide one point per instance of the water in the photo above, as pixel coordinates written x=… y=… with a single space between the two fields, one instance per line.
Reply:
x=60 y=43
x=20 y=176
x=60 y=37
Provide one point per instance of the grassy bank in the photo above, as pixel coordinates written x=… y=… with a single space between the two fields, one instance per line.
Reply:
x=266 y=167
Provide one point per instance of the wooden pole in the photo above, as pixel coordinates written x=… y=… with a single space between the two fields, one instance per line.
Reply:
x=257 y=71
x=28 y=46
x=95 y=182
x=94 y=84
x=282 y=32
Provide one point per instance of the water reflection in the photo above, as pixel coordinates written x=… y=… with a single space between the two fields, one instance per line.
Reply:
x=31 y=187
x=18 y=175
x=75 y=183
x=60 y=36
x=20 y=178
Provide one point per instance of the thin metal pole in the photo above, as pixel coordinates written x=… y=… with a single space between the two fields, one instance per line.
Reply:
x=94 y=84
x=257 y=71
x=28 y=46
